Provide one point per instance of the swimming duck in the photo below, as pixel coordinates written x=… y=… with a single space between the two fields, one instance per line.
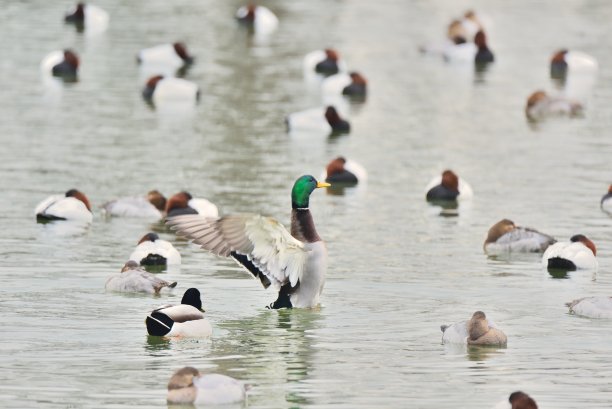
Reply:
x=188 y=385
x=153 y=251
x=151 y=206
x=448 y=187
x=343 y=171
x=606 y=201
x=350 y=85
x=133 y=278
x=325 y=62
x=564 y=63
x=294 y=263
x=165 y=58
x=89 y=18
x=476 y=52
x=541 y=105
x=577 y=254
x=324 y=120
x=73 y=205
x=517 y=400
x=63 y=64
x=260 y=18
x=592 y=307
x=505 y=236
x=184 y=320
x=161 y=90
x=184 y=203
x=478 y=330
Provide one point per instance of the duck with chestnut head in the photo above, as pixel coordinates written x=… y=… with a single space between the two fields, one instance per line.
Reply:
x=189 y=386
x=579 y=253
x=506 y=237
x=73 y=205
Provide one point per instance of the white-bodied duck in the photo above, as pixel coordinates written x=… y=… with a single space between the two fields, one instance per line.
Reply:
x=88 y=18
x=150 y=206
x=169 y=90
x=592 y=307
x=577 y=254
x=153 y=251
x=317 y=120
x=133 y=278
x=606 y=201
x=73 y=205
x=184 y=203
x=352 y=85
x=261 y=19
x=189 y=386
x=63 y=64
x=164 y=59
x=293 y=263
x=506 y=237
x=565 y=62
x=324 y=62
x=183 y=320
x=541 y=105
x=478 y=330
x=345 y=172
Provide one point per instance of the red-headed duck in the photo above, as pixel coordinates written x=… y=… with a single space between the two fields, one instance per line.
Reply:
x=540 y=105
x=89 y=18
x=565 y=62
x=63 y=64
x=448 y=187
x=185 y=203
x=189 y=386
x=167 y=90
x=259 y=18
x=317 y=120
x=351 y=85
x=165 y=58
x=577 y=254
x=325 y=62
x=150 y=206
x=344 y=172
x=183 y=320
x=73 y=205
x=133 y=278
x=606 y=201
x=153 y=251
x=506 y=237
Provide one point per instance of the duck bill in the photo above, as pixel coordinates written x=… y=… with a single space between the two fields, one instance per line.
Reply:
x=322 y=184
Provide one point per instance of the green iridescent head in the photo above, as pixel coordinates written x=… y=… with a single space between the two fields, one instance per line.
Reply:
x=302 y=188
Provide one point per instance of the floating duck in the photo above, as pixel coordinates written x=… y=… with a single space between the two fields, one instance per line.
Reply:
x=63 y=64
x=606 y=201
x=478 y=330
x=344 y=172
x=320 y=120
x=517 y=400
x=353 y=85
x=73 y=205
x=294 y=263
x=165 y=58
x=504 y=236
x=540 y=105
x=164 y=90
x=448 y=187
x=184 y=320
x=153 y=251
x=261 y=19
x=577 y=254
x=189 y=386
x=151 y=206
x=564 y=63
x=476 y=52
x=325 y=62
x=592 y=307
x=133 y=278
x=89 y=18
x=184 y=203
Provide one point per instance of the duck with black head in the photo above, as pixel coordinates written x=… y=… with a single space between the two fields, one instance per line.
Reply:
x=153 y=251
x=184 y=320
x=294 y=263
x=73 y=205
x=62 y=64
x=88 y=18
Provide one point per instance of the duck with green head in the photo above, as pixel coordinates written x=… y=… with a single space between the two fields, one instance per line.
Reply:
x=292 y=262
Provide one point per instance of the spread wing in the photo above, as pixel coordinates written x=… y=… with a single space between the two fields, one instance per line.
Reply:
x=260 y=244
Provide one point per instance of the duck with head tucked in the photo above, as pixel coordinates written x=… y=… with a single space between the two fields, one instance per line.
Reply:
x=606 y=201
x=133 y=278
x=258 y=18
x=88 y=18
x=324 y=62
x=293 y=263
x=504 y=236
x=150 y=206
x=153 y=251
x=63 y=64
x=73 y=205
x=564 y=63
x=189 y=386
x=184 y=203
x=167 y=59
x=478 y=330
x=326 y=121
x=169 y=90
x=540 y=105
x=577 y=254
x=448 y=187
x=344 y=172
x=184 y=320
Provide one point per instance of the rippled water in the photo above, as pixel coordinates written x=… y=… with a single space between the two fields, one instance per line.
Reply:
x=397 y=269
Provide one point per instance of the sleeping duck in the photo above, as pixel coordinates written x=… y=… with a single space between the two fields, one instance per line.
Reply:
x=577 y=254
x=153 y=251
x=345 y=172
x=478 y=330
x=592 y=307
x=73 y=205
x=448 y=187
x=133 y=278
x=293 y=263
x=540 y=105
x=189 y=386
x=606 y=201
x=88 y=18
x=184 y=203
x=150 y=206
x=504 y=236
x=184 y=320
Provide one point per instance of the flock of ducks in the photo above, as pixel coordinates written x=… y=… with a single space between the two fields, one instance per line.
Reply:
x=294 y=261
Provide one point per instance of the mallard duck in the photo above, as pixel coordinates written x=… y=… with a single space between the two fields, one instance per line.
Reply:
x=89 y=18
x=505 y=236
x=73 y=205
x=188 y=385
x=151 y=206
x=478 y=330
x=133 y=278
x=295 y=263
x=592 y=307
x=577 y=254
x=153 y=251
x=184 y=320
